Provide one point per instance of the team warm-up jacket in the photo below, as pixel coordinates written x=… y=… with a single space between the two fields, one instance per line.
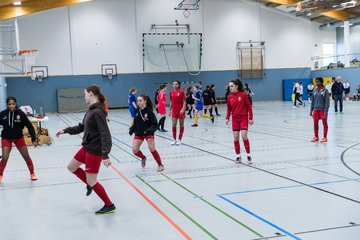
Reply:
x=97 y=138
x=337 y=88
x=320 y=100
x=13 y=124
x=238 y=104
x=145 y=122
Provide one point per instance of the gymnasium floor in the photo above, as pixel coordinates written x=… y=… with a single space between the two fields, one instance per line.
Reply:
x=294 y=190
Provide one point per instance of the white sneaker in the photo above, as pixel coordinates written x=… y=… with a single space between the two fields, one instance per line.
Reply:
x=173 y=142
x=249 y=159
x=238 y=159
x=178 y=143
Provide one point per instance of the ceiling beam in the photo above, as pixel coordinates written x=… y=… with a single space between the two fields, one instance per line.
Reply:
x=29 y=7
x=9 y=2
x=284 y=2
x=341 y=15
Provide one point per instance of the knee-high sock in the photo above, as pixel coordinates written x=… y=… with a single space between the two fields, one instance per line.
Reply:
x=2 y=166
x=157 y=157
x=30 y=165
x=247 y=145
x=316 y=127
x=140 y=155
x=211 y=111
x=206 y=116
x=216 y=110
x=100 y=191
x=237 y=147
x=190 y=110
x=80 y=173
x=181 y=133
x=205 y=110
x=196 y=119
x=161 y=123
x=174 y=132
x=325 y=124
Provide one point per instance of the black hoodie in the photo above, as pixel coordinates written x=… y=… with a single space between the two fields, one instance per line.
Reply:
x=97 y=138
x=145 y=122
x=13 y=124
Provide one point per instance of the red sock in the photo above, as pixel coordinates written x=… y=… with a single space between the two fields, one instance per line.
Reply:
x=2 y=166
x=30 y=165
x=157 y=157
x=80 y=173
x=247 y=146
x=140 y=155
x=237 y=147
x=174 y=132
x=181 y=133
x=325 y=124
x=316 y=127
x=100 y=191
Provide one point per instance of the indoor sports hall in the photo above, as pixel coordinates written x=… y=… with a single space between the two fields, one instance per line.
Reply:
x=179 y=119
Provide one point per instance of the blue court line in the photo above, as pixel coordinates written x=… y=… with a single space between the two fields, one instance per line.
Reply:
x=260 y=218
x=292 y=186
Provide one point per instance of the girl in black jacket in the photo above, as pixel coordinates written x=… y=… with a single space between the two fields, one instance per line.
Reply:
x=13 y=121
x=96 y=146
x=144 y=127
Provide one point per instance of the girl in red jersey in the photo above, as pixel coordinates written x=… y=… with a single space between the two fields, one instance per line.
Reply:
x=144 y=127
x=161 y=97
x=239 y=107
x=177 y=110
x=13 y=121
x=96 y=146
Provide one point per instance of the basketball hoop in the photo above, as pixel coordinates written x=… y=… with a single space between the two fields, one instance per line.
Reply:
x=186 y=12
x=110 y=75
x=30 y=57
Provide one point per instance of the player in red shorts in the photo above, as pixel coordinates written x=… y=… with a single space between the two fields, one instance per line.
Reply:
x=144 y=127
x=177 y=110
x=13 y=121
x=239 y=107
x=96 y=146
x=320 y=103
x=161 y=98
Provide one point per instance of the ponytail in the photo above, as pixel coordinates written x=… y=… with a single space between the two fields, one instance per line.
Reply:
x=147 y=99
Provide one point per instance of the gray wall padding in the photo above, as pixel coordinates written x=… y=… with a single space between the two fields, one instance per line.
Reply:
x=71 y=100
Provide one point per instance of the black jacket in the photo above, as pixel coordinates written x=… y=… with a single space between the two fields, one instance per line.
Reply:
x=337 y=88
x=13 y=124
x=145 y=122
x=97 y=138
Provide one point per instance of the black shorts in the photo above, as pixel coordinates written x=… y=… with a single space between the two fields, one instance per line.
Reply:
x=207 y=102
x=347 y=90
x=190 y=101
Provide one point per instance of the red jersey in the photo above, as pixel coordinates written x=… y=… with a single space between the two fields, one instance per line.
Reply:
x=161 y=99
x=238 y=104
x=177 y=98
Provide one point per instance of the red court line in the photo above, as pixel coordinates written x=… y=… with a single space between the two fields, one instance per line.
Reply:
x=153 y=204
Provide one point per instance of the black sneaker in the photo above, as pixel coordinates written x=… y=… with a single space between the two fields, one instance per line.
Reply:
x=212 y=119
x=249 y=159
x=106 y=209
x=238 y=160
x=194 y=125
x=218 y=114
x=88 y=190
x=163 y=130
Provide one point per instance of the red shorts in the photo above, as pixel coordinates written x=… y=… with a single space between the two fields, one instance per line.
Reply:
x=92 y=162
x=142 y=138
x=319 y=114
x=162 y=109
x=19 y=142
x=177 y=115
x=240 y=124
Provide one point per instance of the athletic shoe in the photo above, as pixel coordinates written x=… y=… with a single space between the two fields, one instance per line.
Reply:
x=249 y=159
x=106 y=209
x=88 y=190
x=212 y=119
x=324 y=139
x=160 y=168
x=173 y=142
x=33 y=177
x=1 y=177
x=218 y=114
x=178 y=142
x=238 y=160
x=315 y=139
x=194 y=125
x=341 y=112
x=143 y=162
x=163 y=130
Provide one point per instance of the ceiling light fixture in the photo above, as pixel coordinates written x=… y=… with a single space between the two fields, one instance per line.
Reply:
x=18 y=3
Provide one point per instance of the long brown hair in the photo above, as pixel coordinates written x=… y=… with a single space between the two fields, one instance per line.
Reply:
x=149 y=104
x=96 y=91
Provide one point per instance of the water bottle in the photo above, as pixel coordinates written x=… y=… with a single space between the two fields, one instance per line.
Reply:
x=34 y=112
x=41 y=112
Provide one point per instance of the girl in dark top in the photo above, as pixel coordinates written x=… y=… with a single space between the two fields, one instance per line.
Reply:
x=213 y=99
x=248 y=92
x=190 y=101
x=206 y=94
x=96 y=146
x=13 y=121
x=156 y=100
x=144 y=127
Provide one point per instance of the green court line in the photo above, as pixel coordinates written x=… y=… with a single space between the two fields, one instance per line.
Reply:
x=177 y=208
x=215 y=207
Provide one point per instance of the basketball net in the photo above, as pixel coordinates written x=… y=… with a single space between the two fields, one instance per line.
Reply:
x=30 y=56
x=110 y=75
